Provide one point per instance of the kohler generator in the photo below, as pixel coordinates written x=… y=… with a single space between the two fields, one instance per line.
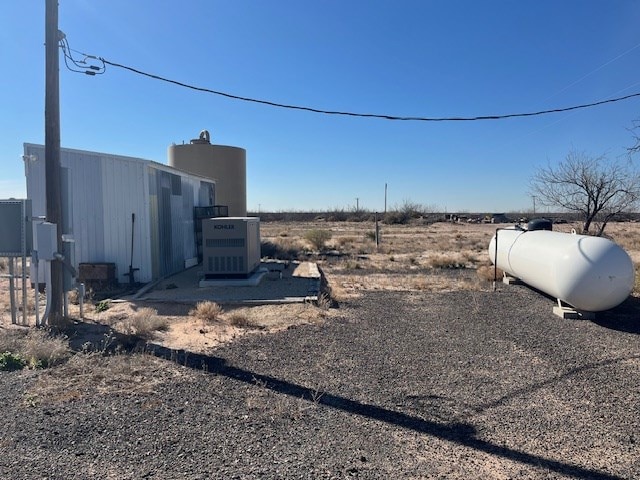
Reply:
x=230 y=246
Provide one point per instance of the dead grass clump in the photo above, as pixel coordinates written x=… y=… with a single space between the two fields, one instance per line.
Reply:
x=37 y=348
x=92 y=374
x=145 y=323
x=241 y=320
x=74 y=297
x=345 y=241
x=486 y=273
x=469 y=258
x=422 y=283
x=207 y=311
x=445 y=261
x=282 y=248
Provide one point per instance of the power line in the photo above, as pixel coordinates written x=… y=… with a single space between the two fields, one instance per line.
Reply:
x=99 y=70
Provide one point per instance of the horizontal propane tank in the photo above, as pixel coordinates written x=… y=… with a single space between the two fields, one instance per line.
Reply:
x=589 y=273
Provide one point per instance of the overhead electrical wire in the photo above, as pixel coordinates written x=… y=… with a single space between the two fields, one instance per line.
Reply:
x=100 y=69
x=81 y=66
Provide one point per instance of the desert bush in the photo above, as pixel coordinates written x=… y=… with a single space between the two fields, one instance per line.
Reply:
x=11 y=361
x=371 y=235
x=337 y=216
x=283 y=250
x=445 y=261
x=486 y=273
x=74 y=297
x=241 y=320
x=345 y=241
x=405 y=213
x=318 y=237
x=4 y=264
x=103 y=306
x=144 y=323
x=33 y=348
x=352 y=265
x=469 y=257
x=207 y=311
x=325 y=302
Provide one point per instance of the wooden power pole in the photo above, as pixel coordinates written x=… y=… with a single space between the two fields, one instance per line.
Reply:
x=52 y=151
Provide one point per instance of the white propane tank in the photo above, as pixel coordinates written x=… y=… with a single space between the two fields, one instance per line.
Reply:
x=589 y=273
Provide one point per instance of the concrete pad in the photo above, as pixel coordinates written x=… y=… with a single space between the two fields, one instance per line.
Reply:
x=251 y=281
x=306 y=270
x=507 y=280
x=569 y=313
x=274 y=283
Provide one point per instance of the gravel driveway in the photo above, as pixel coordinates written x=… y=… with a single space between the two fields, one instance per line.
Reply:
x=402 y=385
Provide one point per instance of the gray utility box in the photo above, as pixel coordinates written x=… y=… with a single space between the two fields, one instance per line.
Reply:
x=231 y=246
x=16 y=232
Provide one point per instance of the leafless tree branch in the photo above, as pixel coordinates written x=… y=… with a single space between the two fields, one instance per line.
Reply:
x=595 y=187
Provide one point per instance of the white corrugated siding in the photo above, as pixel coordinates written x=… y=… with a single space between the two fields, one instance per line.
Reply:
x=106 y=191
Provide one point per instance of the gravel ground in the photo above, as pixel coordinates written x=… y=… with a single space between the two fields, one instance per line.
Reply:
x=401 y=385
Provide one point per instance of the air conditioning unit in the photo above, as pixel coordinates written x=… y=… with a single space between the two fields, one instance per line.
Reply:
x=231 y=246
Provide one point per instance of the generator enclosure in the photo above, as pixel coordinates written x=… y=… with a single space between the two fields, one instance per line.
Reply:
x=231 y=246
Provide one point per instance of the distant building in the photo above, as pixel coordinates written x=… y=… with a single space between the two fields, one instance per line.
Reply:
x=499 y=218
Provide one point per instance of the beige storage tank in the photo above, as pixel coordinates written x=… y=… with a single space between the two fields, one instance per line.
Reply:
x=226 y=165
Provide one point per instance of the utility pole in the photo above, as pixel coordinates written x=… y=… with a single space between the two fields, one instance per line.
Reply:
x=385 y=198
x=534 y=204
x=357 y=204
x=52 y=151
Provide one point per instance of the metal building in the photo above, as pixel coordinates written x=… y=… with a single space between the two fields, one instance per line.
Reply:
x=113 y=202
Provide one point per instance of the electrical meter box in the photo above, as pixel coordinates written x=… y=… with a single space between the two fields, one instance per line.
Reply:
x=46 y=240
x=231 y=246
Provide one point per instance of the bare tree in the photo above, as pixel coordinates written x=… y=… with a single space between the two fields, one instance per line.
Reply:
x=635 y=131
x=595 y=187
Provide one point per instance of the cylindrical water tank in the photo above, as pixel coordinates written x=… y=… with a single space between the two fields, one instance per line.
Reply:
x=226 y=165
x=589 y=273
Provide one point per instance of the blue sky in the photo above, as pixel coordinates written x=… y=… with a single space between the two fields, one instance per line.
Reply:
x=408 y=58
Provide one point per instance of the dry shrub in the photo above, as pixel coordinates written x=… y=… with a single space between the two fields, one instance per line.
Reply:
x=93 y=374
x=325 y=302
x=38 y=348
x=207 y=311
x=281 y=248
x=486 y=273
x=144 y=323
x=445 y=261
x=422 y=283
x=4 y=264
x=469 y=258
x=345 y=241
x=74 y=297
x=318 y=237
x=241 y=320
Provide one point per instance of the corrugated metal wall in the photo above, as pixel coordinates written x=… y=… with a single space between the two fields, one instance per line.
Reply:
x=106 y=191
